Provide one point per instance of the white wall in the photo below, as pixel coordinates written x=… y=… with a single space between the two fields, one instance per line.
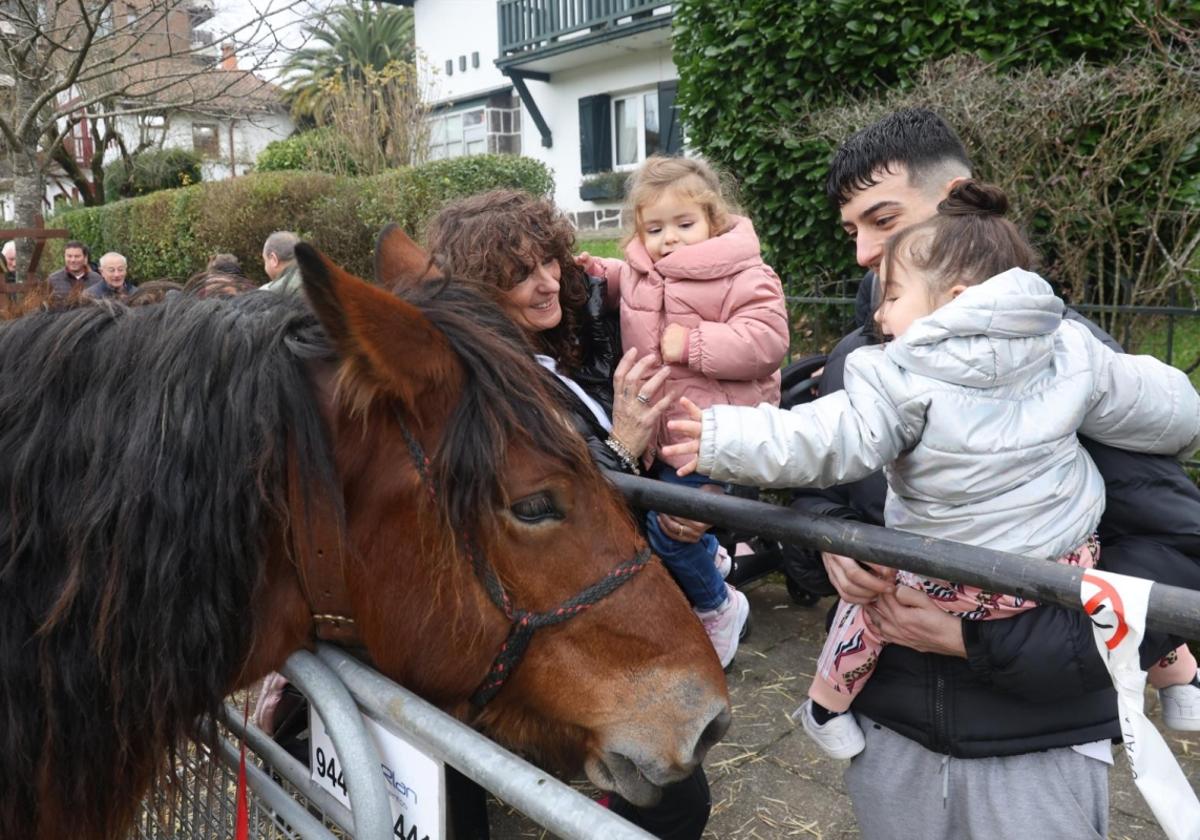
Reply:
x=559 y=98
x=447 y=29
x=250 y=136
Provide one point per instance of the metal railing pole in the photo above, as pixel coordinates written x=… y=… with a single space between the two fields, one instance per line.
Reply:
x=1171 y=608
x=283 y=763
x=535 y=793
x=358 y=754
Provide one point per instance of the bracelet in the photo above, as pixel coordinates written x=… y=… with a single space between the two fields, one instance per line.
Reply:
x=627 y=459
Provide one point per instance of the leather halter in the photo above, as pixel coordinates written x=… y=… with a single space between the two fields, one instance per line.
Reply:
x=317 y=537
x=522 y=623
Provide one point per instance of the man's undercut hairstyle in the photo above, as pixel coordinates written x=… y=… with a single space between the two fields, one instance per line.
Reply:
x=75 y=243
x=281 y=243
x=916 y=139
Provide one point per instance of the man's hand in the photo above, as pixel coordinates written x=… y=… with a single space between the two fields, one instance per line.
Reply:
x=687 y=432
x=673 y=345
x=855 y=584
x=909 y=618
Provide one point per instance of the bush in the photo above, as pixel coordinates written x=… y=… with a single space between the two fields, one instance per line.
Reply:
x=1102 y=164
x=172 y=234
x=319 y=150
x=151 y=171
x=752 y=72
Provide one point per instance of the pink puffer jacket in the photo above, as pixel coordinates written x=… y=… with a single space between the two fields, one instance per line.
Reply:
x=730 y=299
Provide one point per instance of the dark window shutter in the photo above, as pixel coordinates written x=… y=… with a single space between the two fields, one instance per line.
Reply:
x=595 y=134
x=670 y=129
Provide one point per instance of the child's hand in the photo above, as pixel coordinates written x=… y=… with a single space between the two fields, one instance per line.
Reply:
x=688 y=432
x=585 y=261
x=674 y=344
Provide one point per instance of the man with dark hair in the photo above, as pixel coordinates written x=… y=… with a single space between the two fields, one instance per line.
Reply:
x=279 y=262
x=1001 y=727
x=75 y=273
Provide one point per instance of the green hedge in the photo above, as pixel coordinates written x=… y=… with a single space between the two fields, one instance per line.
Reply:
x=751 y=71
x=318 y=150
x=152 y=170
x=171 y=234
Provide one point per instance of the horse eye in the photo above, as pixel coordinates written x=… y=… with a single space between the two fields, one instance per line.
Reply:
x=537 y=508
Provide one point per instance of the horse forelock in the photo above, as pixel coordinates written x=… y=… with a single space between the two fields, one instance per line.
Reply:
x=144 y=456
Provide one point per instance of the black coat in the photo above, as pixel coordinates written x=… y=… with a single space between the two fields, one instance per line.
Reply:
x=1035 y=681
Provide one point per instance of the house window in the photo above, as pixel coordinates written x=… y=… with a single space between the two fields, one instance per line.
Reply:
x=455 y=135
x=449 y=67
x=635 y=128
x=462 y=63
x=205 y=140
x=475 y=60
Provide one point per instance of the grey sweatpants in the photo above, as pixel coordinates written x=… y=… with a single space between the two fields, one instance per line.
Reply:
x=899 y=789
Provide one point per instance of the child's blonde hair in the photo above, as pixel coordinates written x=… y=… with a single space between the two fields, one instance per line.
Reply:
x=687 y=177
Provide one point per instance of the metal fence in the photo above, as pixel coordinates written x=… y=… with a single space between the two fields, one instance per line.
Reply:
x=199 y=799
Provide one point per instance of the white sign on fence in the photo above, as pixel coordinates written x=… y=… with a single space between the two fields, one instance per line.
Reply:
x=415 y=782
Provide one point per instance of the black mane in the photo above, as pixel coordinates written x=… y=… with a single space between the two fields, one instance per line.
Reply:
x=143 y=458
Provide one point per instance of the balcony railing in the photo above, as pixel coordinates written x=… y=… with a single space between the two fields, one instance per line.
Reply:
x=533 y=26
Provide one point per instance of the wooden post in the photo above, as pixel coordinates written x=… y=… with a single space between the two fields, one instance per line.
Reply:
x=39 y=234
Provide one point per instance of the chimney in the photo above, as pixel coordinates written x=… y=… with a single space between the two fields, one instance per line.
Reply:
x=228 y=57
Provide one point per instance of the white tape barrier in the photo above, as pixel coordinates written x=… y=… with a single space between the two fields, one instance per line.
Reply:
x=1117 y=606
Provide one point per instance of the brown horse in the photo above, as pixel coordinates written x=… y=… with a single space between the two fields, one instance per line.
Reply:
x=196 y=488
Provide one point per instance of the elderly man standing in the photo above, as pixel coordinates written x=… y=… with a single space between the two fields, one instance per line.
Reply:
x=113 y=282
x=75 y=273
x=10 y=261
x=279 y=261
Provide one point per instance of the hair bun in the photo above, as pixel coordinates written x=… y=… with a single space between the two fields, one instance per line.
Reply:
x=971 y=198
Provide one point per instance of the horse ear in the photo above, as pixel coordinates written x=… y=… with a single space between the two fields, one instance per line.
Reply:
x=385 y=342
x=400 y=262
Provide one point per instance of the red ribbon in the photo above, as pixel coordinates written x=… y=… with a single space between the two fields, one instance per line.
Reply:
x=242 y=831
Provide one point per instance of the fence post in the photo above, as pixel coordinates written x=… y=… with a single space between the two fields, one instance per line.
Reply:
x=358 y=754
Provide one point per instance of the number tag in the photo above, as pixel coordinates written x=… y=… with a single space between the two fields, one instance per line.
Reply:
x=415 y=782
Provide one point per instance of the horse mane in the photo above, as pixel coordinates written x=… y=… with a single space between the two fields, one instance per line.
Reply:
x=506 y=396
x=145 y=456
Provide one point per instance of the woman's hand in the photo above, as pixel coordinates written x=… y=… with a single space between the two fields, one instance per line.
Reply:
x=687 y=432
x=909 y=618
x=635 y=412
x=674 y=344
x=854 y=583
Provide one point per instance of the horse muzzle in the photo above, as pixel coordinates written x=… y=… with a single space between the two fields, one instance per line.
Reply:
x=637 y=769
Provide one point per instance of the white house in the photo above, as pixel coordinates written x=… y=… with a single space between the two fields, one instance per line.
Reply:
x=586 y=86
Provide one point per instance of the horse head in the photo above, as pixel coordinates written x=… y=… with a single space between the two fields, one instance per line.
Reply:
x=505 y=518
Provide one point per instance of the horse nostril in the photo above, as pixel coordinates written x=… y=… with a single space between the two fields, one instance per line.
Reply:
x=714 y=732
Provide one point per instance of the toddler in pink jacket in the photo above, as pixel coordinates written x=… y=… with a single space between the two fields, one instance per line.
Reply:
x=694 y=291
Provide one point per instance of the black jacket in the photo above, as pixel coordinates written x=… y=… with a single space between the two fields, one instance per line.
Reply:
x=1035 y=681
x=600 y=345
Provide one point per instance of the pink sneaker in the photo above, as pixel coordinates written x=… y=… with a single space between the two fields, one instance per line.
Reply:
x=724 y=624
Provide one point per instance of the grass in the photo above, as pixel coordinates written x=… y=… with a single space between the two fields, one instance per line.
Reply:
x=601 y=247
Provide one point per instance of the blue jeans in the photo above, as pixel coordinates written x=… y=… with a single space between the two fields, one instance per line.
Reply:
x=691 y=564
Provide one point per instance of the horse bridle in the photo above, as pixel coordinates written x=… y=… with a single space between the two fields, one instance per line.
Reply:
x=325 y=588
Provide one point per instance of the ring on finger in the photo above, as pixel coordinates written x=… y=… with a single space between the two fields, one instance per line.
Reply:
x=643 y=399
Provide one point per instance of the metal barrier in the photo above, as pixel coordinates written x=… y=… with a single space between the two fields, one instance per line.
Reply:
x=1171 y=608
x=285 y=804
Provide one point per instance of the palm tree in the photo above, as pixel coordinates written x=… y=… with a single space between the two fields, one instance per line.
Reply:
x=347 y=40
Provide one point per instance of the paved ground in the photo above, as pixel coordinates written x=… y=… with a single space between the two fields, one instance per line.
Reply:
x=769 y=782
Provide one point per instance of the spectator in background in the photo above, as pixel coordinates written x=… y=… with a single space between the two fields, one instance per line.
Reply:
x=279 y=261
x=226 y=265
x=76 y=273
x=113 y=283
x=10 y=261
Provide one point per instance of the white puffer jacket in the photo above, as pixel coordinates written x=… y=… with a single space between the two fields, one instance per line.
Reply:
x=972 y=414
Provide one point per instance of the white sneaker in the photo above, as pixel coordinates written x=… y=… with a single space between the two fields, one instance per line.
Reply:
x=723 y=561
x=1181 y=707
x=839 y=737
x=724 y=624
